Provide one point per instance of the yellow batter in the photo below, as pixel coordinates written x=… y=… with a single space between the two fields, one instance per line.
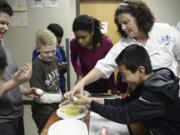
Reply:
x=71 y=109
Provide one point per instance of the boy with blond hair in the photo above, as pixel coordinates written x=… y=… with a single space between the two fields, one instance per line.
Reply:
x=45 y=76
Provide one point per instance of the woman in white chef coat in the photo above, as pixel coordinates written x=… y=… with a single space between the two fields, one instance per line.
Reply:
x=136 y=25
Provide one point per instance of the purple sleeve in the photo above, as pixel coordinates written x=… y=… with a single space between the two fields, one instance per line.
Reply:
x=108 y=45
x=74 y=57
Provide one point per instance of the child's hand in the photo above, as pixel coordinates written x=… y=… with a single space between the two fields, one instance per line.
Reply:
x=39 y=92
x=23 y=74
x=62 y=65
x=32 y=93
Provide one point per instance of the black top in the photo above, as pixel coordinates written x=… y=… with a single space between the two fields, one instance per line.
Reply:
x=45 y=76
x=155 y=103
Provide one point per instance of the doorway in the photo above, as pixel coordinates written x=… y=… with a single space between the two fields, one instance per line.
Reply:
x=104 y=11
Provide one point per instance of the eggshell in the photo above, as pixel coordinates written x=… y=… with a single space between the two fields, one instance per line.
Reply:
x=75 y=98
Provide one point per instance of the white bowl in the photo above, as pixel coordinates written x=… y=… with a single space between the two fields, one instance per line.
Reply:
x=68 y=127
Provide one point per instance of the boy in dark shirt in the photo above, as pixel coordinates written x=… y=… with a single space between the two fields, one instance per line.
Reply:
x=153 y=100
x=45 y=76
x=57 y=30
x=62 y=59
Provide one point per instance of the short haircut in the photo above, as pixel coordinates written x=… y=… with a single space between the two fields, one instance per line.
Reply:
x=134 y=56
x=90 y=24
x=3 y=59
x=45 y=37
x=140 y=11
x=56 y=29
x=5 y=7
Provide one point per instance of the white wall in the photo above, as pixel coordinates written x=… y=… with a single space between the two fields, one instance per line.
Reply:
x=22 y=39
x=165 y=10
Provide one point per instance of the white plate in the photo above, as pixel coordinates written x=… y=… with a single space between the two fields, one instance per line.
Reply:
x=68 y=127
x=64 y=116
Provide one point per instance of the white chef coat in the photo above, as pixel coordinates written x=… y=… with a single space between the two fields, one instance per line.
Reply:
x=163 y=46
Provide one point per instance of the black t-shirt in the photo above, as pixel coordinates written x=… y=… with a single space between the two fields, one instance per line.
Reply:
x=45 y=76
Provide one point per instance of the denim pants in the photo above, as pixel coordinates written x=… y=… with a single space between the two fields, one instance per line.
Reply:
x=15 y=127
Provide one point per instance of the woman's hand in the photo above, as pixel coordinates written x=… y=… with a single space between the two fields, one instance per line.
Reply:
x=77 y=89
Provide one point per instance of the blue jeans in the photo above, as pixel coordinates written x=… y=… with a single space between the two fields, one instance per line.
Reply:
x=15 y=127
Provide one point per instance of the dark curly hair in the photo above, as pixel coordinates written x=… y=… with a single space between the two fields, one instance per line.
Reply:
x=5 y=7
x=138 y=9
x=87 y=23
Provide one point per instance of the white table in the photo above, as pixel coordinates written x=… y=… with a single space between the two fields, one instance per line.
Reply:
x=97 y=123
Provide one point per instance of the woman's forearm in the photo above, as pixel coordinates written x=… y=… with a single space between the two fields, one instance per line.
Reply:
x=92 y=76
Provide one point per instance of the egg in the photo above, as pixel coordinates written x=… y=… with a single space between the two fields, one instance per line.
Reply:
x=74 y=98
x=39 y=92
